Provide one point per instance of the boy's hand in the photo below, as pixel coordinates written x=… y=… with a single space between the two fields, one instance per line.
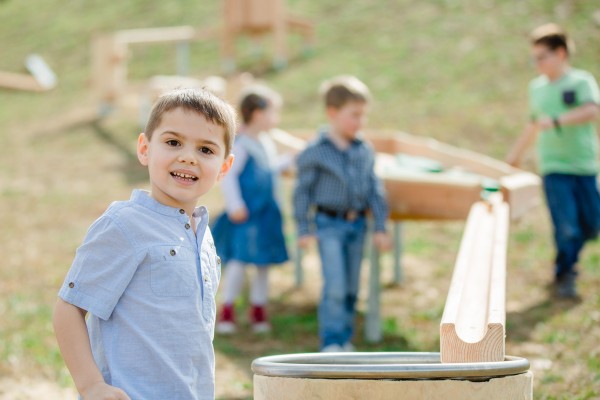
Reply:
x=238 y=216
x=305 y=241
x=513 y=161
x=103 y=391
x=382 y=241
x=545 y=123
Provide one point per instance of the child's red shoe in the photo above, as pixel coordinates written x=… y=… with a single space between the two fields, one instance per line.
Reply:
x=226 y=324
x=258 y=316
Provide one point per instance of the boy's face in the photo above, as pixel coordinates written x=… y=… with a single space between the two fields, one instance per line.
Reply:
x=548 y=62
x=349 y=119
x=268 y=118
x=185 y=158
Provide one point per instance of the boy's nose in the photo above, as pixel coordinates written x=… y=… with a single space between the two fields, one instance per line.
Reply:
x=188 y=157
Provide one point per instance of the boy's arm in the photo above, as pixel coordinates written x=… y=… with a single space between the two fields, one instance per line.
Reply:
x=72 y=336
x=306 y=177
x=377 y=201
x=523 y=143
x=379 y=207
x=579 y=115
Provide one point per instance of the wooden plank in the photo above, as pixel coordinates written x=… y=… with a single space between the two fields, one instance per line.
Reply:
x=473 y=324
x=159 y=35
x=16 y=81
x=109 y=68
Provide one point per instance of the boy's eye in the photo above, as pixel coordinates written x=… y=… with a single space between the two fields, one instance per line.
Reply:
x=206 y=150
x=172 y=142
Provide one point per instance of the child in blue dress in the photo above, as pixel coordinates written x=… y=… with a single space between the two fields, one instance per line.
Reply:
x=250 y=231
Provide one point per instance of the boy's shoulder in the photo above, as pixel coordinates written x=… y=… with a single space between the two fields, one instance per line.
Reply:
x=314 y=146
x=574 y=76
x=580 y=74
x=120 y=208
x=537 y=82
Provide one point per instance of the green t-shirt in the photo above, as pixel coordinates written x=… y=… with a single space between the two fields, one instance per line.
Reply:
x=571 y=149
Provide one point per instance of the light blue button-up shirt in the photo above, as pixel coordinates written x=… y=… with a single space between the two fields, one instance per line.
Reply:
x=149 y=285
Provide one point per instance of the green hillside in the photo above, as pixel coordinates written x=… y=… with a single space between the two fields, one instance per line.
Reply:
x=450 y=69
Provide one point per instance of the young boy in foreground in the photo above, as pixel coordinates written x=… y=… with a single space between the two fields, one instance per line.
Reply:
x=147 y=271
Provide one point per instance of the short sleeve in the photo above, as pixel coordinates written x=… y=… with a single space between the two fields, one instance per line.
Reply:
x=533 y=115
x=103 y=267
x=587 y=91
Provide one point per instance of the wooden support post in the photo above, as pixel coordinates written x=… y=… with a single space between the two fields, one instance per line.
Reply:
x=373 y=318
x=473 y=324
x=298 y=272
x=109 y=68
x=398 y=275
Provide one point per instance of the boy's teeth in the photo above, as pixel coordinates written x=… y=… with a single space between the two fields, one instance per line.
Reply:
x=179 y=174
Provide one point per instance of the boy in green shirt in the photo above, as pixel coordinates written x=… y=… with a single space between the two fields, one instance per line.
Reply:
x=564 y=103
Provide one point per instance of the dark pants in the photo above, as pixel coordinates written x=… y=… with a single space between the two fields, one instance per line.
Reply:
x=574 y=204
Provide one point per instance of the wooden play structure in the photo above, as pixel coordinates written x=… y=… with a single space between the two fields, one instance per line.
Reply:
x=473 y=324
x=41 y=78
x=110 y=55
x=447 y=189
x=257 y=18
x=110 y=52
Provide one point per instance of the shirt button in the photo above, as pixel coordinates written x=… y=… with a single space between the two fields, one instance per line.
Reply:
x=181 y=211
x=218 y=260
x=187 y=226
x=71 y=285
x=173 y=252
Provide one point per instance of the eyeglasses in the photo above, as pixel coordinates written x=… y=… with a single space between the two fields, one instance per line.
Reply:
x=538 y=58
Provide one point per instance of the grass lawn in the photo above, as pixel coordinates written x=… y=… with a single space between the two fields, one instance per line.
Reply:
x=436 y=68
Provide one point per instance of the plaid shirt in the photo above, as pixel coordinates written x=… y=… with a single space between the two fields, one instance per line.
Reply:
x=341 y=180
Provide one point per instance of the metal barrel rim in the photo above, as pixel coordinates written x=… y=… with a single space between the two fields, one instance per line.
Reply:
x=382 y=365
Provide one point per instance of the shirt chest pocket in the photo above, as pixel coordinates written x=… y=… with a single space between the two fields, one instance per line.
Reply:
x=172 y=271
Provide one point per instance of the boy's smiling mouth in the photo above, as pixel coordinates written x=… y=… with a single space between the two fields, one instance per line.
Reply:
x=183 y=176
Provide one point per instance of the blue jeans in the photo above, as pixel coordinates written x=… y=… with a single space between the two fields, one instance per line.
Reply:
x=574 y=205
x=341 y=245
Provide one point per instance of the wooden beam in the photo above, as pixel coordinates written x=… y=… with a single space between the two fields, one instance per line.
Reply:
x=166 y=34
x=18 y=81
x=42 y=77
x=473 y=324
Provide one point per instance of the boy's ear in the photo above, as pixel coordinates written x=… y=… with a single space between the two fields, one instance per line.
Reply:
x=331 y=112
x=142 y=149
x=225 y=167
x=562 y=53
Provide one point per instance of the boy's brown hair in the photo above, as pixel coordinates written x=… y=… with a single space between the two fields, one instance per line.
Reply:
x=200 y=101
x=343 y=89
x=257 y=97
x=553 y=37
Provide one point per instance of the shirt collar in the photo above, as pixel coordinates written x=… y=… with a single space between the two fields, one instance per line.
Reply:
x=324 y=137
x=143 y=198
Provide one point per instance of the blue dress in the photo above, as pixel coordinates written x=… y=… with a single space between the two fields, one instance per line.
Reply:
x=259 y=240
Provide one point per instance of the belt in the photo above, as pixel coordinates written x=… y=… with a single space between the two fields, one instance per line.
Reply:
x=348 y=215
